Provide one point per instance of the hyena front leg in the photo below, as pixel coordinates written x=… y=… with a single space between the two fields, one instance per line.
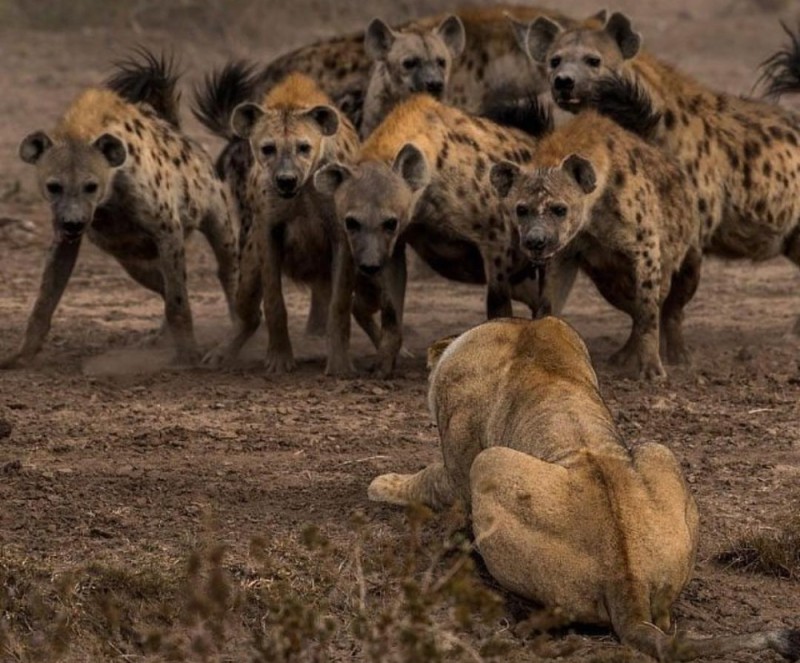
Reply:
x=217 y=226
x=643 y=342
x=317 y=322
x=247 y=303
x=279 y=357
x=341 y=306
x=393 y=292
x=431 y=486
x=172 y=258
x=147 y=273
x=498 y=287
x=58 y=268
x=684 y=285
x=792 y=251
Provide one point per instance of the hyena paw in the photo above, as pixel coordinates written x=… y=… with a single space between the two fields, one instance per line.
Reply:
x=340 y=367
x=389 y=488
x=652 y=370
x=279 y=362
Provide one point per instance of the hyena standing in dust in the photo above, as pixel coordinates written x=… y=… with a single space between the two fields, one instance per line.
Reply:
x=422 y=179
x=742 y=156
x=118 y=169
x=291 y=228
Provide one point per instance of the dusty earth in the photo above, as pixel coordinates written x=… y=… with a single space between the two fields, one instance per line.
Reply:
x=117 y=466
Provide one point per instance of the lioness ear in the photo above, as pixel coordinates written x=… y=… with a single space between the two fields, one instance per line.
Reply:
x=451 y=30
x=621 y=31
x=244 y=118
x=600 y=16
x=113 y=149
x=436 y=350
x=502 y=177
x=327 y=119
x=33 y=146
x=411 y=165
x=329 y=178
x=582 y=171
x=378 y=39
x=541 y=35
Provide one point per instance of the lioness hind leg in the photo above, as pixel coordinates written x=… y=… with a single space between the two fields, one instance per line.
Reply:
x=431 y=486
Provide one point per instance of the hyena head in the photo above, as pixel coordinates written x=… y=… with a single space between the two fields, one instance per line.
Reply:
x=549 y=205
x=287 y=144
x=416 y=62
x=575 y=59
x=74 y=176
x=375 y=202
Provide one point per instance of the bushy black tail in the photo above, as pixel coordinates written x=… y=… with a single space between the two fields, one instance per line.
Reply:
x=221 y=92
x=628 y=104
x=780 y=73
x=146 y=77
x=527 y=114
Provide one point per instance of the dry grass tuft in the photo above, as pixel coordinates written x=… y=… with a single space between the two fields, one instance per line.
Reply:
x=771 y=551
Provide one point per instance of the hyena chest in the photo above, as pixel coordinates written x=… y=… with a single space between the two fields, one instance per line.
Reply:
x=306 y=247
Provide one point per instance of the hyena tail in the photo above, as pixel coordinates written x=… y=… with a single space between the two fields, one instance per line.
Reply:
x=631 y=625
x=526 y=113
x=221 y=92
x=628 y=104
x=780 y=73
x=148 y=78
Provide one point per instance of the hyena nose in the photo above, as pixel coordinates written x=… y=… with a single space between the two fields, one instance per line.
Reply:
x=564 y=83
x=434 y=87
x=535 y=242
x=73 y=227
x=370 y=270
x=286 y=183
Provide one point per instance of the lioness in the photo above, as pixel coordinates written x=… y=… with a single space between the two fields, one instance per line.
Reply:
x=563 y=511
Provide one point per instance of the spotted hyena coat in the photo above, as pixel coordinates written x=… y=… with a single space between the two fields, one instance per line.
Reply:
x=602 y=197
x=489 y=63
x=742 y=156
x=422 y=179
x=118 y=169
x=292 y=229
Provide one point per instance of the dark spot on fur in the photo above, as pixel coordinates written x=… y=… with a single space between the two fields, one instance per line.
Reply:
x=669 y=120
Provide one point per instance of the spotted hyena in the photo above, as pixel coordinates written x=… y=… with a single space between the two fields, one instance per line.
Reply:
x=118 y=169
x=290 y=228
x=742 y=156
x=422 y=179
x=602 y=198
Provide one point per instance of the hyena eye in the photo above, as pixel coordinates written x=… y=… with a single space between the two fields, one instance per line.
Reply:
x=523 y=210
x=559 y=210
x=390 y=225
x=555 y=61
x=268 y=149
x=352 y=224
x=304 y=149
x=90 y=187
x=411 y=63
x=593 y=61
x=441 y=63
x=54 y=188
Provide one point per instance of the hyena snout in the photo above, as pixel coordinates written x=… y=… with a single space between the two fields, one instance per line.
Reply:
x=539 y=244
x=431 y=82
x=563 y=83
x=287 y=183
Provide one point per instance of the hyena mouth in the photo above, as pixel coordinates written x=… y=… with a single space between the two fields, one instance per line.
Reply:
x=569 y=103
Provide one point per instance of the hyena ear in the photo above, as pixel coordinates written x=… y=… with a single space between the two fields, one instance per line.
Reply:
x=113 y=149
x=244 y=118
x=33 y=146
x=327 y=119
x=582 y=171
x=436 y=350
x=502 y=177
x=520 y=31
x=452 y=33
x=600 y=16
x=540 y=37
x=329 y=178
x=621 y=31
x=411 y=165
x=378 y=39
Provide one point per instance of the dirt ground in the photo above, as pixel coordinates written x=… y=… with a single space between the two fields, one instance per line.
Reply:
x=117 y=462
